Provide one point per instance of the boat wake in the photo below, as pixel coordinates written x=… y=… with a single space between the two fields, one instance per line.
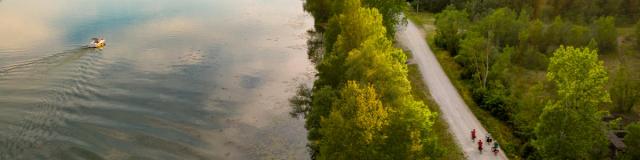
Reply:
x=36 y=97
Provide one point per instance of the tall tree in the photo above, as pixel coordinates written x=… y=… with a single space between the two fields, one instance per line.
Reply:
x=625 y=91
x=391 y=10
x=377 y=62
x=450 y=26
x=361 y=126
x=409 y=131
x=354 y=129
x=503 y=24
x=480 y=8
x=527 y=113
x=347 y=31
x=555 y=34
x=570 y=126
x=319 y=9
x=533 y=35
x=476 y=55
x=578 y=36
x=381 y=64
x=360 y=53
x=497 y=96
x=605 y=32
x=322 y=100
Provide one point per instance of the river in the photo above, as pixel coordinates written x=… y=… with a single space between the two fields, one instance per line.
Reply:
x=178 y=79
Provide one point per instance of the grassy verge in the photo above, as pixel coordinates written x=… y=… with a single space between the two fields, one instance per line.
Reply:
x=498 y=129
x=450 y=149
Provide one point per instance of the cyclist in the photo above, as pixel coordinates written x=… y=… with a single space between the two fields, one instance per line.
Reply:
x=480 y=145
x=473 y=134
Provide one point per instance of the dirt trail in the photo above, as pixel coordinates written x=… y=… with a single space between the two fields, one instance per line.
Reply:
x=454 y=110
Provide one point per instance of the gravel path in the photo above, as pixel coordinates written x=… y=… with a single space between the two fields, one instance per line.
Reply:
x=454 y=111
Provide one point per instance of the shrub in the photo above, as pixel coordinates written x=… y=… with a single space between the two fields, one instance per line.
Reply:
x=450 y=26
x=605 y=33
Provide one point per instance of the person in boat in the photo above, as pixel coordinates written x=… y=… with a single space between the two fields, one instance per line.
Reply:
x=97 y=43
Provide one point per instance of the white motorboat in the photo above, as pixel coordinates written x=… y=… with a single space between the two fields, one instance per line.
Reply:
x=97 y=43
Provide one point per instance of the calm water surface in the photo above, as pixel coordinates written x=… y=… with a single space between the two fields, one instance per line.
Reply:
x=179 y=79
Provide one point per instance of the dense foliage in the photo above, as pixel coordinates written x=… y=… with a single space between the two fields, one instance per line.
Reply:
x=477 y=47
x=632 y=140
x=504 y=47
x=358 y=119
x=605 y=33
x=570 y=124
x=323 y=10
x=360 y=106
x=501 y=46
x=450 y=25
x=391 y=10
x=581 y=11
x=625 y=91
x=501 y=26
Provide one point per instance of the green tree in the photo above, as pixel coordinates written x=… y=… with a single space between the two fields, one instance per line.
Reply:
x=528 y=112
x=497 y=97
x=409 y=132
x=345 y=32
x=532 y=43
x=570 y=126
x=503 y=24
x=377 y=62
x=322 y=100
x=319 y=9
x=630 y=9
x=354 y=129
x=632 y=141
x=581 y=10
x=391 y=10
x=611 y=7
x=344 y=126
x=381 y=64
x=592 y=44
x=476 y=56
x=348 y=30
x=433 y=6
x=450 y=25
x=533 y=35
x=481 y=8
x=605 y=33
x=625 y=91
x=501 y=67
x=578 y=36
x=555 y=34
